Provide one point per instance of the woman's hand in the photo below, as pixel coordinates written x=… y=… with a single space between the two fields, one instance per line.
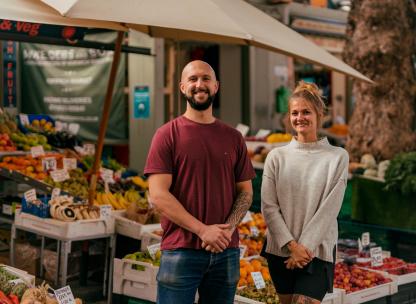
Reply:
x=300 y=256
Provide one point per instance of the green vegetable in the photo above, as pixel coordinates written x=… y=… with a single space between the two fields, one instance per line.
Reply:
x=401 y=173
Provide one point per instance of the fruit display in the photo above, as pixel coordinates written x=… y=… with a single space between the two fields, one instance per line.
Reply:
x=5 y=143
x=279 y=138
x=254 y=265
x=338 y=129
x=265 y=295
x=40 y=126
x=117 y=200
x=253 y=246
x=63 y=139
x=7 y=123
x=63 y=208
x=41 y=295
x=353 y=278
x=8 y=290
x=76 y=185
x=393 y=266
x=245 y=229
x=144 y=257
x=26 y=141
x=259 y=154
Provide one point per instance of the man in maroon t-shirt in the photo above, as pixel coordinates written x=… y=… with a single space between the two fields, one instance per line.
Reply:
x=200 y=181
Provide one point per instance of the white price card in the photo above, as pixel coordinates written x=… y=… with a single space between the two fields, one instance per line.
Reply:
x=89 y=149
x=153 y=249
x=55 y=193
x=73 y=128
x=243 y=249
x=247 y=218
x=263 y=133
x=7 y=209
x=59 y=175
x=30 y=195
x=376 y=255
x=59 y=126
x=258 y=279
x=365 y=239
x=243 y=129
x=49 y=164
x=69 y=163
x=80 y=150
x=105 y=211
x=24 y=119
x=64 y=295
x=360 y=245
x=254 y=231
x=37 y=151
x=107 y=175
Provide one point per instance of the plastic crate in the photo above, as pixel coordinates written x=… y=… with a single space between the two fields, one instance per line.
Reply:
x=65 y=230
x=135 y=283
x=405 y=295
x=372 y=293
x=130 y=228
x=24 y=275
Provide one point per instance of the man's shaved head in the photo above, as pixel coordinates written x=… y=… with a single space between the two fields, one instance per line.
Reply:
x=197 y=64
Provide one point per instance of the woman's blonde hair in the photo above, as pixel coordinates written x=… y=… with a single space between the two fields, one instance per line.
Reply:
x=310 y=92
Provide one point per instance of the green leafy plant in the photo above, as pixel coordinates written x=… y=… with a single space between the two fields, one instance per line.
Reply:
x=401 y=173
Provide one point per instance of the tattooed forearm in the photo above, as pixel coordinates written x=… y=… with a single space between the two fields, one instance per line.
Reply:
x=300 y=299
x=240 y=207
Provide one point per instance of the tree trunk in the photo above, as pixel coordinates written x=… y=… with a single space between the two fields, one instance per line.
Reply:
x=380 y=44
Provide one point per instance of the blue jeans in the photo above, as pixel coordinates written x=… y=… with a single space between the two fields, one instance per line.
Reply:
x=184 y=271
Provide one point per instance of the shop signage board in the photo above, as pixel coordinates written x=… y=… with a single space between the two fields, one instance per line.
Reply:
x=69 y=84
x=141 y=102
x=9 y=73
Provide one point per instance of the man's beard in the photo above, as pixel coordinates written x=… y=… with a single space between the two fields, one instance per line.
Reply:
x=199 y=106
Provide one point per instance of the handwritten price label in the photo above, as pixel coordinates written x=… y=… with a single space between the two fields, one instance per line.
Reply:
x=89 y=149
x=258 y=280
x=254 y=231
x=70 y=163
x=376 y=255
x=64 y=295
x=49 y=164
x=365 y=239
x=107 y=175
x=73 y=128
x=105 y=211
x=243 y=249
x=30 y=195
x=37 y=151
x=59 y=175
x=24 y=119
x=247 y=218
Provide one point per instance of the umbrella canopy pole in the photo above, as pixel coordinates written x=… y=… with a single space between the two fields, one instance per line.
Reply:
x=104 y=118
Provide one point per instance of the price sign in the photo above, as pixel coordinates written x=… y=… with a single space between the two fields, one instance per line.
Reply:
x=37 y=151
x=73 y=128
x=376 y=255
x=107 y=175
x=153 y=249
x=258 y=279
x=70 y=163
x=59 y=126
x=7 y=209
x=80 y=150
x=30 y=195
x=59 y=175
x=24 y=119
x=254 y=231
x=64 y=295
x=243 y=249
x=105 y=211
x=263 y=133
x=360 y=246
x=49 y=164
x=365 y=239
x=55 y=193
x=243 y=129
x=247 y=218
x=89 y=149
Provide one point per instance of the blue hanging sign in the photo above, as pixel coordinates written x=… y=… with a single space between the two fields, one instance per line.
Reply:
x=141 y=102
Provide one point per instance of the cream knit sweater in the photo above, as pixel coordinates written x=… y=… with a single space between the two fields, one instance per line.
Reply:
x=302 y=191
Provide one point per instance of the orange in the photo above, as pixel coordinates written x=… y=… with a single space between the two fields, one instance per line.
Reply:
x=256 y=265
x=243 y=273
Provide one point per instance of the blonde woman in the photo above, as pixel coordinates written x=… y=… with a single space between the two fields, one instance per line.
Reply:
x=302 y=191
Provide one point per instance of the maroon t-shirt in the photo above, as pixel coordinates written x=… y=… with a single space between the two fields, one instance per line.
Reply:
x=206 y=161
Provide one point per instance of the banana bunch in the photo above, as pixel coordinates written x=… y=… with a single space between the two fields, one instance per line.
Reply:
x=62 y=208
x=117 y=201
x=132 y=196
x=140 y=182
